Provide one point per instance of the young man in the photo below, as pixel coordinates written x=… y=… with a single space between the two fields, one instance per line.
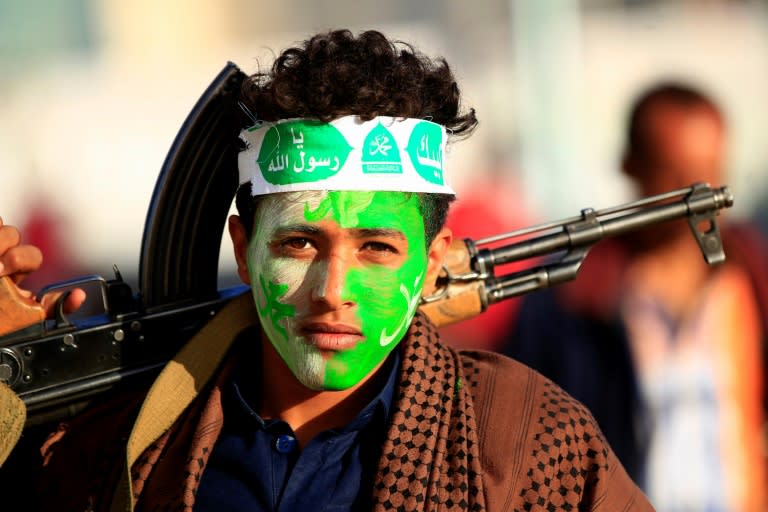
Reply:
x=334 y=392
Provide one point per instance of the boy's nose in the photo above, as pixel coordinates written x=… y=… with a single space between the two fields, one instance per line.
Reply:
x=330 y=281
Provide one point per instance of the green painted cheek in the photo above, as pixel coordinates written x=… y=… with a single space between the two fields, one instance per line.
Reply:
x=305 y=361
x=267 y=292
x=386 y=302
x=386 y=298
x=271 y=309
x=276 y=316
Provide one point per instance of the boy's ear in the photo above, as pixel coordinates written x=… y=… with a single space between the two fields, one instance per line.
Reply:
x=240 y=246
x=435 y=257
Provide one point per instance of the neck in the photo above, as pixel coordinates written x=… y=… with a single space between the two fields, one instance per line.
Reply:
x=309 y=411
x=673 y=272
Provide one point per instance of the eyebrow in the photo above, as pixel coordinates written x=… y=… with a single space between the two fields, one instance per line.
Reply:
x=375 y=232
x=297 y=228
x=356 y=232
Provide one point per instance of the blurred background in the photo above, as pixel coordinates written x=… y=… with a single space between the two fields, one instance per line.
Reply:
x=94 y=91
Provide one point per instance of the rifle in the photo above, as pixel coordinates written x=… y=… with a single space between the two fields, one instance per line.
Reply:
x=58 y=365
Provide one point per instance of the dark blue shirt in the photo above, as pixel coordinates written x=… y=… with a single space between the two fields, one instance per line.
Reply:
x=256 y=464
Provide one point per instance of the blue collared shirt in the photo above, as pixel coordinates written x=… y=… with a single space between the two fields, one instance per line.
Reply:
x=256 y=464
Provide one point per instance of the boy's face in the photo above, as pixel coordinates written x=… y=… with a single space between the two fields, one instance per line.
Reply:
x=336 y=278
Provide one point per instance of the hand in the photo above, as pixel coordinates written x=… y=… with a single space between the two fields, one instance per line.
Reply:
x=17 y=260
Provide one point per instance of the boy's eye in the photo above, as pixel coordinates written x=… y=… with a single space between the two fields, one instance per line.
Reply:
x=380 y=247
x=297 y=243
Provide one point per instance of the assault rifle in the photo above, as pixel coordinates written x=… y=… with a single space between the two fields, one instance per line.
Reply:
x=57 y=365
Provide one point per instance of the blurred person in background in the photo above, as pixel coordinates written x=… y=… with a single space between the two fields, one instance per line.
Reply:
x=668 y=352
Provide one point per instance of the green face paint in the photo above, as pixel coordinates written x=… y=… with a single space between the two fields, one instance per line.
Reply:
x=381 y=297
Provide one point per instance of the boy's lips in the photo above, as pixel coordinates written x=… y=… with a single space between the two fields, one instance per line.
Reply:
x=331 y=336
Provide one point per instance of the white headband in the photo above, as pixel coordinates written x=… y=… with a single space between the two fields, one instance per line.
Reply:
x=385 y=153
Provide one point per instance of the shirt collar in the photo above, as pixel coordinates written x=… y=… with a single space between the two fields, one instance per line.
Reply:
x=378 y=409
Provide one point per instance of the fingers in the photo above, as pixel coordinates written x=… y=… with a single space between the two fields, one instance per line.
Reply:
x=74 y=301
x=9 y=237
x=17 y=260
x=71 y=304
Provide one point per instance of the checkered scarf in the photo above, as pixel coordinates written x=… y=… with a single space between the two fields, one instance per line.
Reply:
x=429 y=461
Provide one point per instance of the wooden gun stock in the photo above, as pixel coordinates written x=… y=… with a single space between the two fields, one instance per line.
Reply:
x=16 y=310
x=457 y=300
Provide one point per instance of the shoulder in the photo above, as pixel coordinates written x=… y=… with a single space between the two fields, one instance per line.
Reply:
x=12 y=421
x=508 y=394
x=745 y=246
x=484 y=368
x=538 y=444
x=83 y=456
x=512 y=399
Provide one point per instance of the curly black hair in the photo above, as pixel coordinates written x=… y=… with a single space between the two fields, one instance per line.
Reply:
x=336 y=74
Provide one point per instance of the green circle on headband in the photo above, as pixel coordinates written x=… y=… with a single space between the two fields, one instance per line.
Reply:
x=384 y=153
